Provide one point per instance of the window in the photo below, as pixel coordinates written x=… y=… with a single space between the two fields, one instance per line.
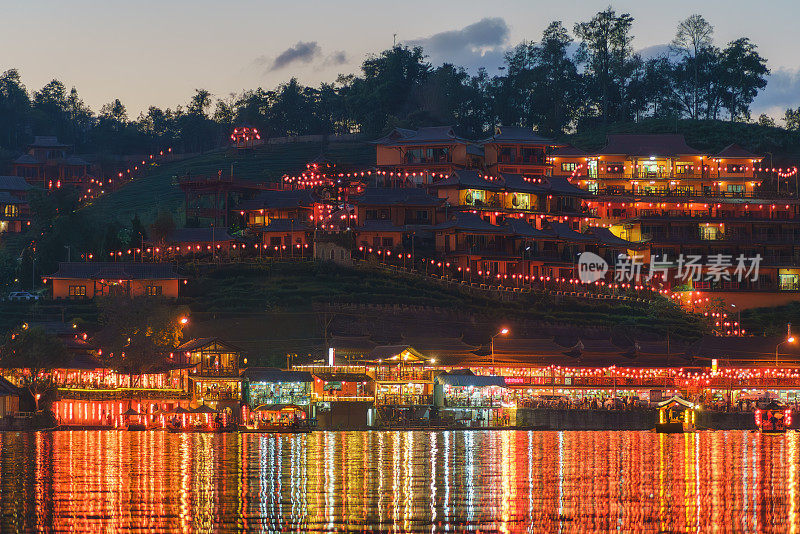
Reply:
x=422 y=215
x=474 y=197
x=735 y=168
x=683 y=167
x=388 y=242
x=615 y=168
x=788 y=282
x=153 y=291
x=521 y=201
x=77 y=291
x=568 y=166
x=11 y=210
x=736 y=189
x=372 y=215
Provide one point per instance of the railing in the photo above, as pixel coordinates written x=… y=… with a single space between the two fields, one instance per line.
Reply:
x=403 y=375
x=676 y=192
x=227 y=372
x=404 y=400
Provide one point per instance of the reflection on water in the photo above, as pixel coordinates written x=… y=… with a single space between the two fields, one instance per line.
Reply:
x=399 y=481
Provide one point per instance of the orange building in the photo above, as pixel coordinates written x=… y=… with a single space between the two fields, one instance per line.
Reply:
x=518 y=151
x=420 y=155
x=75 y=280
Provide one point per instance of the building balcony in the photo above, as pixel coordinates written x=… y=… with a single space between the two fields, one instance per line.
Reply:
x=206 y=372
x=404 y=400
x=662 y=192
x=383 y=374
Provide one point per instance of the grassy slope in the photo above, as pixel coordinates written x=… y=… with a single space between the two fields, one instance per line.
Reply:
x=285 y=290
x=157 y=189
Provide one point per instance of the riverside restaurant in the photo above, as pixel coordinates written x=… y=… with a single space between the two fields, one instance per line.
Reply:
x=401 y=382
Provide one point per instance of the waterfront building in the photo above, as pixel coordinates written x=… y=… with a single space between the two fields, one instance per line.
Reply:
x=9 y=399
x=474 y=400
x=15 y=216
x=50 y=164
x=270 y=387
x=77 y=280
x=214 y=372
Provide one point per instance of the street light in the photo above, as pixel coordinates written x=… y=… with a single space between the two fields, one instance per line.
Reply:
x=789 y=339
x=503 y=331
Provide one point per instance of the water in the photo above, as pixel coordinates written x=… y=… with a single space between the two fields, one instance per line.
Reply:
x=399 y=481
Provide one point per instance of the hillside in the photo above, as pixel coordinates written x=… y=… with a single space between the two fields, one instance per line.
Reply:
x=157 y=188
x=272 y=309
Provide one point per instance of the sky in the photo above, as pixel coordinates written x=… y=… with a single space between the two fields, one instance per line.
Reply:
x=148 y=52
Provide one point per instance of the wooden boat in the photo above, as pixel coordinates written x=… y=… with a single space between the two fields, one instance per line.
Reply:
x=774 y=418
x=276 y=429
x=676 y=416
x=202 y=429
x=136 y=426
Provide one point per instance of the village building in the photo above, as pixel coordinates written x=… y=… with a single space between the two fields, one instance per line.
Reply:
x=419 y=156
x=50 y=164
x=516 y=150
x=78 y=280
x=214 y=372
x=15 y=215
x=658 y=191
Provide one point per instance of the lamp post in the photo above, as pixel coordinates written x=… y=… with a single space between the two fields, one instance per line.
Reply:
x=789 y=339
x=502 y=332
x=738 y=320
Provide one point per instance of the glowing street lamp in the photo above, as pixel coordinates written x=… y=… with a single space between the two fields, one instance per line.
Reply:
x=503 y=331
x=789 y=339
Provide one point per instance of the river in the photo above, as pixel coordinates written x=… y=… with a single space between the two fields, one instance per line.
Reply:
x=506 y=481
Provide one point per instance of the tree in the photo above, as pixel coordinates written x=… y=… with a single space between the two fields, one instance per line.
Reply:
x=34 y=354
x=200 y=103
x=694 y=36
x=766 y=120
x=162 y=227
x=606 y=49
x=14 y=108
x=389 y=87
x=744 y=74
x=137 y=334
x=792 y=119
x=138 y=233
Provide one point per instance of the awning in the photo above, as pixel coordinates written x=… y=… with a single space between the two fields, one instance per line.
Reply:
x=478 y=381
x=276 y=407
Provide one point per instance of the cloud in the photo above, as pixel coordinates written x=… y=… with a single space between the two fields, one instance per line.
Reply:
x=481 y=44
x=302 y=52
x=782 y=92
x=337 y=58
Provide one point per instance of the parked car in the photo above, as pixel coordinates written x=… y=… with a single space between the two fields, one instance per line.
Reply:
x=22 y=295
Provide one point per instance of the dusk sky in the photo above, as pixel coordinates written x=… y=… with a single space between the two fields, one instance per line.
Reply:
x=157 y=52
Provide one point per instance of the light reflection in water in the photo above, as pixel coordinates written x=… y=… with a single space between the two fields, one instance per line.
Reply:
x=399 y=481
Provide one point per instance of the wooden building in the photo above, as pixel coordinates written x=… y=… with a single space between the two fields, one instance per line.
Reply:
x=517 y=150
x=50 y=164
x=76 y=280
x=214 y=368
x=15 y=215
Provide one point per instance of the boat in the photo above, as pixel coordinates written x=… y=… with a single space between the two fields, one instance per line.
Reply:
x=283 y=429
x=676 y=416
x=774 y=418
x=136 y=426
